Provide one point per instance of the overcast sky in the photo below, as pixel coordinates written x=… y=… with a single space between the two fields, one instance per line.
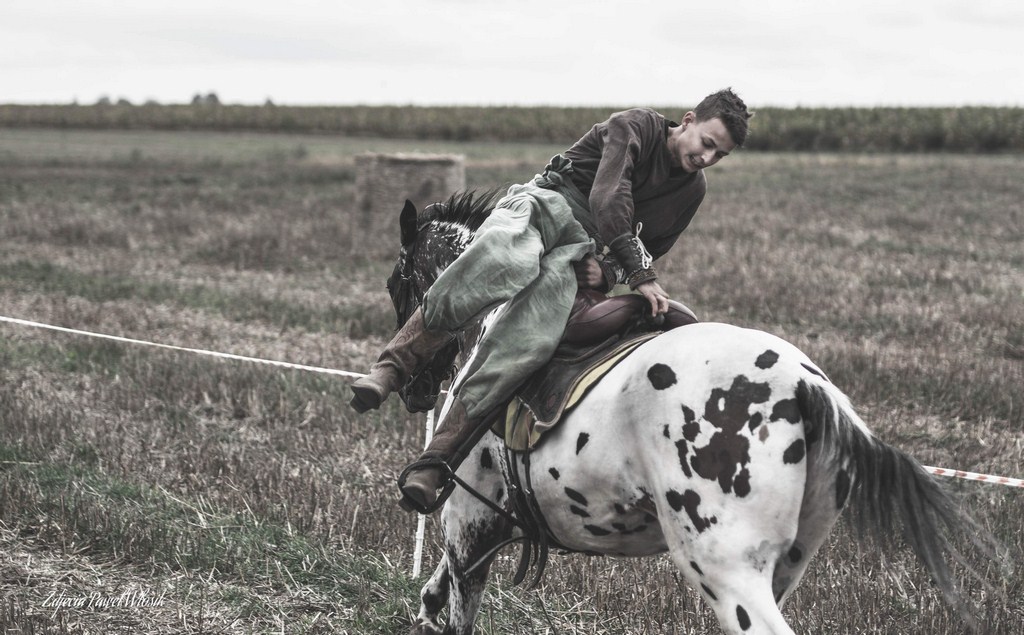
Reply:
x=487 y=52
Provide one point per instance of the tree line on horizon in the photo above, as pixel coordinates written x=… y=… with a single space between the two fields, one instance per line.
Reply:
x=866 y=129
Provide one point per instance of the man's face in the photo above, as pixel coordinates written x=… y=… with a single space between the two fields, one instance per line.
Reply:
x=700 y=144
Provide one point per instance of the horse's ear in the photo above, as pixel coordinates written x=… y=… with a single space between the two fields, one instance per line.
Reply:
x=408 y=223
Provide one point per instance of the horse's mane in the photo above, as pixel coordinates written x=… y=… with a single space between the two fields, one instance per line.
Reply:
x=470 y=208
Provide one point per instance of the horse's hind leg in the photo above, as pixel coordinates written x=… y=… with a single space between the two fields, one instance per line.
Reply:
x=728 y=547
x=740 y=595
x=825 y=495
x=433 y=598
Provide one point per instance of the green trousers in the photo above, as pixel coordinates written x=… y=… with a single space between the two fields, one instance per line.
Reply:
x=522 y=255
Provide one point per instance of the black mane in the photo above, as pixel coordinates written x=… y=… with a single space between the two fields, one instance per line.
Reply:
x=470 y=208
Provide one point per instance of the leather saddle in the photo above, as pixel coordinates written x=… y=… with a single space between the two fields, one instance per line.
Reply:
x=601 y=331
x=595 y=317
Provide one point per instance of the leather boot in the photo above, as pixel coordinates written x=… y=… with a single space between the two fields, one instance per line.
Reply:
x=407 y=352
x=421 y=480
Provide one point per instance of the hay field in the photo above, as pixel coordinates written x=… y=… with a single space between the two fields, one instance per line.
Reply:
x=235 y=498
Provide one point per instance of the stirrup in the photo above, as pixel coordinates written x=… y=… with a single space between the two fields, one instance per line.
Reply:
x=447 y=485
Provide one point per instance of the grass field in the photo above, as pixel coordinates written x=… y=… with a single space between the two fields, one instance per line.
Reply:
x=244 y=499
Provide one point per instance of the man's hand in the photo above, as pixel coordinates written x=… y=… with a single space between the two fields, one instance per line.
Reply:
x=654 y=295
x=589 y=274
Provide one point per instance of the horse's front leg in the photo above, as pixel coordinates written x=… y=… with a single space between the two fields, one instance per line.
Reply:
x=471 y=530
x=433 y=598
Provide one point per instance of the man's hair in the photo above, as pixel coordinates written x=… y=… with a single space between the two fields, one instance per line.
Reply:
x=727 y=106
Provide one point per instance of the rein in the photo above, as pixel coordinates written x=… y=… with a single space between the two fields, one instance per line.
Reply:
x=404 y=294
x=526 y=515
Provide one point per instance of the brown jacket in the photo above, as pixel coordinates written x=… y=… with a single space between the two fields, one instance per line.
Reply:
x=624 y=168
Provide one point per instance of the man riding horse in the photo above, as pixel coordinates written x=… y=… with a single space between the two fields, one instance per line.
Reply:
x=599 y=215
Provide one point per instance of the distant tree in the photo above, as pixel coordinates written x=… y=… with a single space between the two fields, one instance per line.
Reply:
x=103 y=101
x=209 y=99
x=269 y=103
x=123 y=102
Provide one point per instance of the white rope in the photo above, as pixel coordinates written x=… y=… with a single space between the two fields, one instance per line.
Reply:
x=198 y=351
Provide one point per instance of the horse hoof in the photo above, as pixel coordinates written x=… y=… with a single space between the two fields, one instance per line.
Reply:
x=425 y=628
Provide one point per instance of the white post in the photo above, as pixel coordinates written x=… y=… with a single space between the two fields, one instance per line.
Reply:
x=421 y=525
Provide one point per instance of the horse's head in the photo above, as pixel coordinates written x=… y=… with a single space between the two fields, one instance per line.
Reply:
x=430 y=242
x=405 y=293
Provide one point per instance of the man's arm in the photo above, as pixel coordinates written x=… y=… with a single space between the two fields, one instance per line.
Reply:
x=611 y=195
x=590 y=275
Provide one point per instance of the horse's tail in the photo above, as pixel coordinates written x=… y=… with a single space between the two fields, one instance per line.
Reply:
x=887 y=487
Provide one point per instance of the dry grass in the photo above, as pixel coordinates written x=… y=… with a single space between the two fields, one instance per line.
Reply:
x=259 y=503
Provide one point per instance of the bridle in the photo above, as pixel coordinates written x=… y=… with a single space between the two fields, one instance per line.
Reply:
x=420 y=393
x=405 y=296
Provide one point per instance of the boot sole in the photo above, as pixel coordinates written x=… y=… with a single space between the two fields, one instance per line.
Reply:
x=405 y=504
x=364 y=399
x=415 y=497
x=413 y=500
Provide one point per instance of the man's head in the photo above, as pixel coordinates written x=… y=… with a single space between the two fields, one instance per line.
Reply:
x=709 y=132
x=730 y=109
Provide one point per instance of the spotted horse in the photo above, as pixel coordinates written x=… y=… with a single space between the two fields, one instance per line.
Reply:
x=725 y=447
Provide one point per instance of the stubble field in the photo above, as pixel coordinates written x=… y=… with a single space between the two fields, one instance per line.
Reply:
x=235 y=498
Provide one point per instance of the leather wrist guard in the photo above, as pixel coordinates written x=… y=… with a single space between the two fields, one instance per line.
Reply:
x=634 y=258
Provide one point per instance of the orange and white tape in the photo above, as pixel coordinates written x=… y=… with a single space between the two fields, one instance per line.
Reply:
x=974 y=476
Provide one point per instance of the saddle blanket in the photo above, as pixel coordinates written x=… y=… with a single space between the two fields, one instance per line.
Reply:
x=555 y=389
